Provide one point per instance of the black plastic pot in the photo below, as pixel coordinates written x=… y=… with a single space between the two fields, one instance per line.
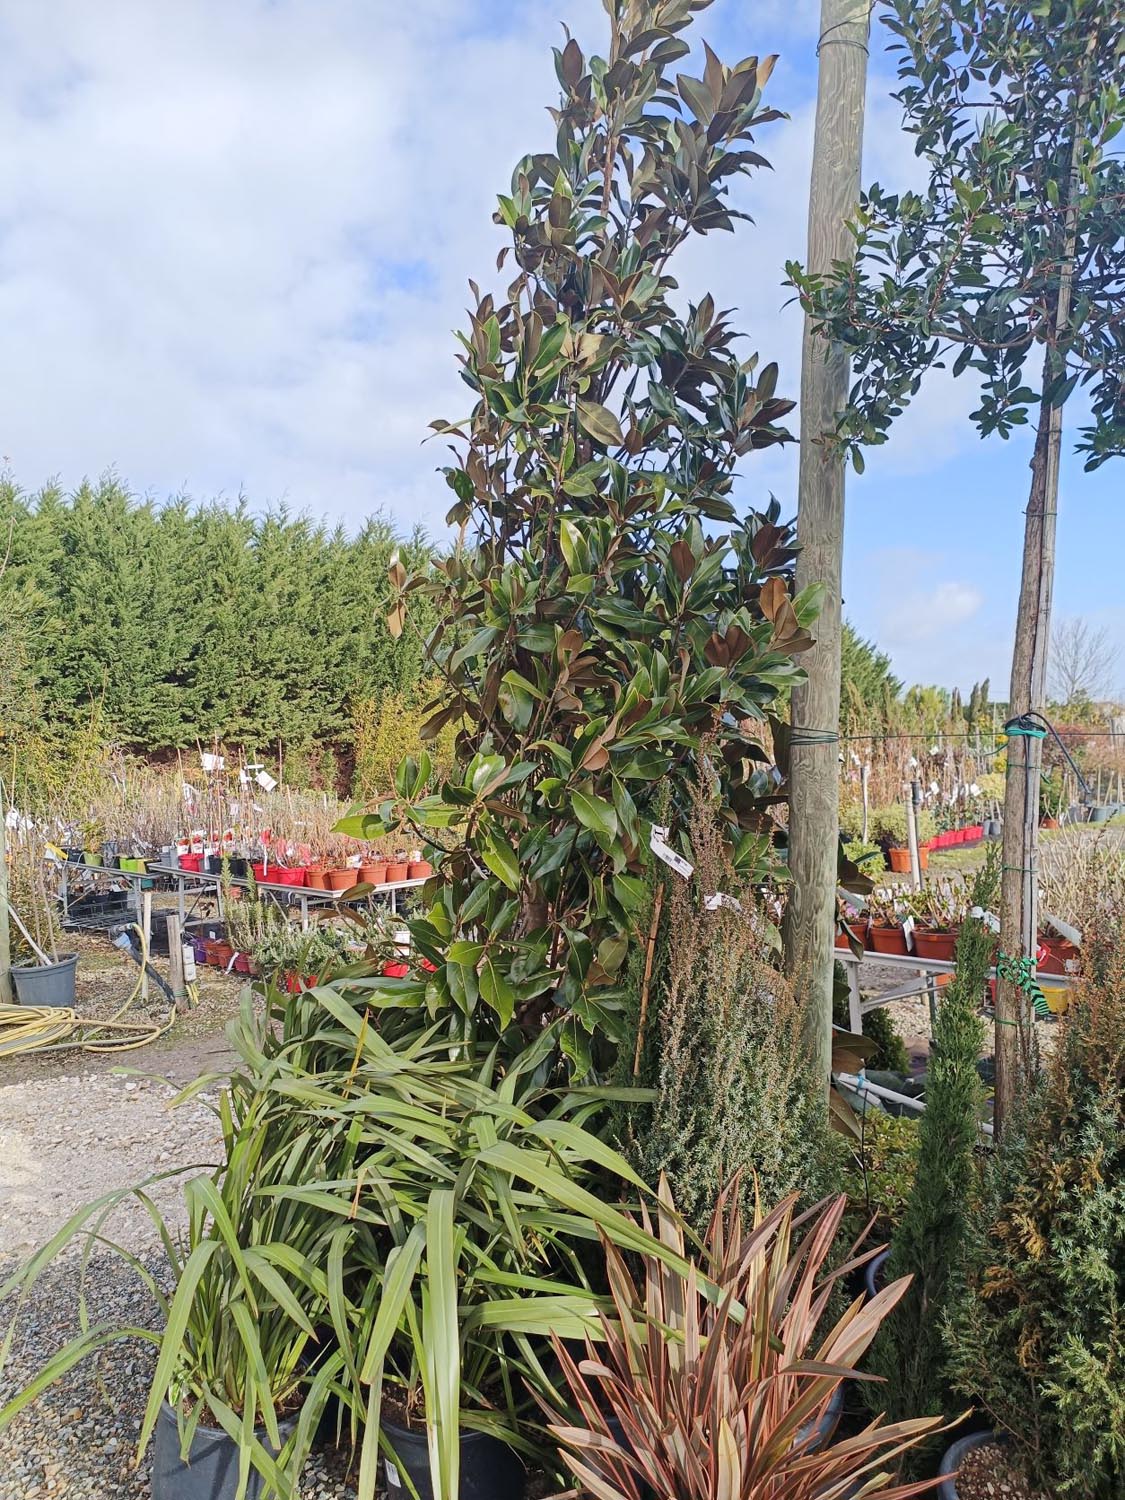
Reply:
x=239 y=867
x=873 y=1272
x=954 y=1457
x=213 y=864
x=211 y=1470
x=490 y=1470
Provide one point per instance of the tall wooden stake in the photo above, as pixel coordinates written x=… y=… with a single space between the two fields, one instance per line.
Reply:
x=814 y=773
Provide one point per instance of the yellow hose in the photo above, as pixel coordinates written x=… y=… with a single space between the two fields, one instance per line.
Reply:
x=52 y=1028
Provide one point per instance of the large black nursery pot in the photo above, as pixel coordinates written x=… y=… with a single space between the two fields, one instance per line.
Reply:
x=490 y=1470
x=211 y=1469
x=47 y=984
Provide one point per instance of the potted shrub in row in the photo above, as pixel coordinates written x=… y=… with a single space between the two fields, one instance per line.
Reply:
x=1036 y=1335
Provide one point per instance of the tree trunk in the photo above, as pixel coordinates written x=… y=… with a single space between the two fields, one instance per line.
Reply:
x=1015 y=1035
x=814 y=773
x=1018 y=882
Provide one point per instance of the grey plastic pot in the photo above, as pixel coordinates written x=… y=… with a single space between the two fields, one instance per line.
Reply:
x=954 y=1457
x=211 y=1469
x=46 y=984
x=490 y=1470
x=821 y=1432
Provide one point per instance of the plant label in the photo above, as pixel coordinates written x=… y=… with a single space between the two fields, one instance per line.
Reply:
x=657 y=842
x=908 y=934
x=720 y=898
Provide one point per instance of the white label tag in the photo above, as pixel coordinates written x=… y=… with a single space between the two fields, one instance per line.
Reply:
x=660 y=848
x=393 y=1481
x=991 y=921
x=908 y=934
x=720 y=898
x=265 y=781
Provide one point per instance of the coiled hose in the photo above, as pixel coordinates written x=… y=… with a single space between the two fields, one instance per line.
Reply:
x=52 y=1028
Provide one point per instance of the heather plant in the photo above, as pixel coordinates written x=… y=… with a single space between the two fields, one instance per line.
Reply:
x=720 y=1044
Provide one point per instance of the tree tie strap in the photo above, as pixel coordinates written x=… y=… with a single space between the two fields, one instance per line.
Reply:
x=1021 y=973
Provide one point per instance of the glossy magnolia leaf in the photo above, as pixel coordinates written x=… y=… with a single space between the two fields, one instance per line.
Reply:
x=600 y=424
x=501 y=858
x=594 y=813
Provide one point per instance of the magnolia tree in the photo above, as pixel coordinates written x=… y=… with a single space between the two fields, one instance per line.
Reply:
x=606 y=607
x=1010 y=265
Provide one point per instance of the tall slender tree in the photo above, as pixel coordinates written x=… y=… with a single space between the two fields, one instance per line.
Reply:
x=1012 y=262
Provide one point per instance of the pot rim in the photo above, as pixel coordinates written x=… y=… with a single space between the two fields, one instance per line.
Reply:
x=63 y=960
x=952 y=1458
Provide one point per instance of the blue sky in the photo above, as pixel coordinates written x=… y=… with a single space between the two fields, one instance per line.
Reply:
x=234 y=243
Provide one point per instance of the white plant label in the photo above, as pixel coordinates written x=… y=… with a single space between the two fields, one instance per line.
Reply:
x=720 y=898
x=393 y=1481
x=265 y=781
x=211 y=762
x=908 y=934
x=657 y=842
x=990 y=920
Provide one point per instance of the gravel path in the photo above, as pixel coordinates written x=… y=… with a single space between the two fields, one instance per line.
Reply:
x=65 y=1140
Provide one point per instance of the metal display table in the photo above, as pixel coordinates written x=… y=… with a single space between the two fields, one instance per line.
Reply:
x=92 y=919
x=925 y=971
x=199 y=886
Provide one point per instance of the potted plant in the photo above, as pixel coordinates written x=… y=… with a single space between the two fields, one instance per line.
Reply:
x=418 y=868
x=239 y=1383
x=939 y=911
x=42 y=975
x=682 y=1397
x=398 y=869
x=888 y=825
x=886 y=910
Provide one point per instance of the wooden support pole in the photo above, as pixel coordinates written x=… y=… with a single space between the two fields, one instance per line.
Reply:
x=6 y=996
x=176 y=960
x=814 y=775
x=146 y=929
x=912 y=841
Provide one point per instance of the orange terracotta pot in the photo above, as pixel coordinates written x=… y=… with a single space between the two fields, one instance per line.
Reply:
x=374 y=874
x=888 y=939
x=900 y=861
x=419 y=869
x=317 y=877
x=931 y=944
x=397 y=871
x=340 y=880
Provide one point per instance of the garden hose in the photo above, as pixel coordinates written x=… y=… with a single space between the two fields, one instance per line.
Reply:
x=50 y=1028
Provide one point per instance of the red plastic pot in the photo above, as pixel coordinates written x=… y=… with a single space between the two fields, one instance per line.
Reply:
x=242 y=963
x=931 y=944
x=261 y=873
x=191 y=862
x=396 y=971
x=340 y=880
x=887 y=939
x=316 y=877
x=900 y=861
x=419 y=869
x=291 y=876
x=397 y=872
x=221 y=954
x=373 y=874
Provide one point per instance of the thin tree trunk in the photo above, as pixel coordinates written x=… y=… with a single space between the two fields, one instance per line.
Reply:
x=814 y=772
x=1015 y=1035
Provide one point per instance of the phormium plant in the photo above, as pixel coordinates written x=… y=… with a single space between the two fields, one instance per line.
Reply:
x=605 y=606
